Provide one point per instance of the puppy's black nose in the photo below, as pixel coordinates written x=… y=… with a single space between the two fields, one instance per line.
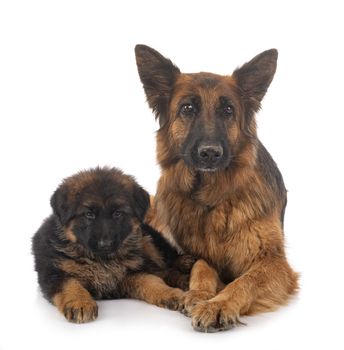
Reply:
x=104 y=243
x=210 y=154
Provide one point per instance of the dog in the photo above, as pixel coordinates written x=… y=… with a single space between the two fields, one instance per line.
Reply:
x=220 y=197
x=95 y=246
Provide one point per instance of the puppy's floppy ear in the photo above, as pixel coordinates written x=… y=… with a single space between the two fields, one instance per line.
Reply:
x=157 y=75
x=63 y=209
x=254 y=78
x=141 y=201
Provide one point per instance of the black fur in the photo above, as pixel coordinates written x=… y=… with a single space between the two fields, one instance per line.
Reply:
x=50 y=278
x=169 y=253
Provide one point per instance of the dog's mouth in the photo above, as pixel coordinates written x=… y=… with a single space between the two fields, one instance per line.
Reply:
x=207 y=169
x=197 y=165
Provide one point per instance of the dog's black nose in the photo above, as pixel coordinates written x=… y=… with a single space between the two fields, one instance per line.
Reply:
x=210 y=154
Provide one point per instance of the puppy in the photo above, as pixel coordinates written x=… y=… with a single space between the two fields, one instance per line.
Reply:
x=94 y=246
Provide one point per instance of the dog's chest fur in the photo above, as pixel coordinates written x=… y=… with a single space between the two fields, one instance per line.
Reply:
x=214 y=234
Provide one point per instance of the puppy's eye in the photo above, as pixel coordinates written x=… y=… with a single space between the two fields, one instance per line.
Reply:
x=117 y=214
x=188 y=110
x=228 y=111
x=90 y=215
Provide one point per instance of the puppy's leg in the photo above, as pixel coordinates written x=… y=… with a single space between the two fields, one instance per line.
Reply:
x=204 y=284
x=75 y=302
x=153 y=290
x=179 y=274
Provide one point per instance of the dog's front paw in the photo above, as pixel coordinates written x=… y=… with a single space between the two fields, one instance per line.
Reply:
x=214 y=316
x=80 y=311
x=192 y=298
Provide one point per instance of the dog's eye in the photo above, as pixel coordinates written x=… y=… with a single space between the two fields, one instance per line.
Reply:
x=90 y=215
x=117 y=214
x=188 y=109
x=228 y=111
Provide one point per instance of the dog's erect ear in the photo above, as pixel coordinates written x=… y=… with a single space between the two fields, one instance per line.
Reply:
x=255 y=76
x=157 y=75
x=60 y=203
x=141 y=201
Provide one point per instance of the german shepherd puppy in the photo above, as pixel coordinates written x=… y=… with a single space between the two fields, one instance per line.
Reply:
x=94 y=246
x=221 y=196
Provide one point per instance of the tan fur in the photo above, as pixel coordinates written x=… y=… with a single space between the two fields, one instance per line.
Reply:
x=204 y=284
x=69 y=232
x=203 y=277
x=153 y=290
x=75 y=302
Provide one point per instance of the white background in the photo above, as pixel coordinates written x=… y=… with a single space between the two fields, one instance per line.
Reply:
x=70 y=98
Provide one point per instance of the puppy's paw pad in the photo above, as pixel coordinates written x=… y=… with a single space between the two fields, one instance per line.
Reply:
x=81 y=311
x=174 y=301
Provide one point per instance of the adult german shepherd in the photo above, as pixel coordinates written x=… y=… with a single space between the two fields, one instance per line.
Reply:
x=221 y=196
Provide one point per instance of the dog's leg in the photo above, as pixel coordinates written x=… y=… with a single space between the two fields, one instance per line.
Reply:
x=265 y=286
x=153 y=290
x=204 y=284
x=75 y=302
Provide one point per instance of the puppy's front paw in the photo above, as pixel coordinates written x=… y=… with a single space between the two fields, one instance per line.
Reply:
x=184 y=263
x=214 y=316
x=80 y=311
x=192 y=298
x=173 y=301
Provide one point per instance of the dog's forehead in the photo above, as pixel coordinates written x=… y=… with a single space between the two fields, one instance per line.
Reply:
x=207 y=80
x=203 y=83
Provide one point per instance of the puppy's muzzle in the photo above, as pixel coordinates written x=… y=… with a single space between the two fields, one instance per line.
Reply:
x=104 y=244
